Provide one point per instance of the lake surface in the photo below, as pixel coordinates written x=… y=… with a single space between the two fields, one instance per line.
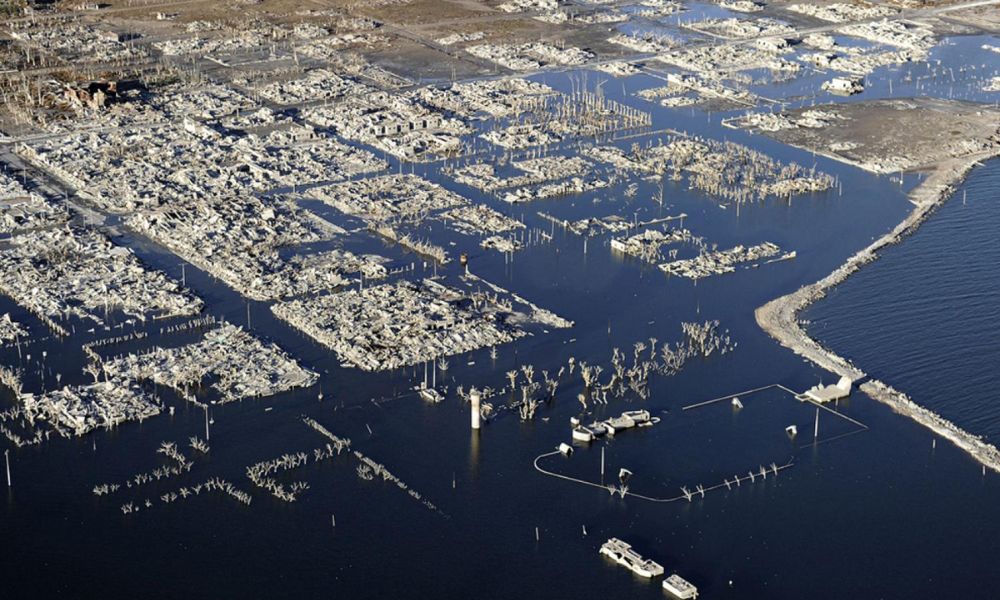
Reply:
x=927 y=313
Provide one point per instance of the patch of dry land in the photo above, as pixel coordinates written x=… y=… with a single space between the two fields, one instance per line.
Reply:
x=885 y=136
x=984 y=18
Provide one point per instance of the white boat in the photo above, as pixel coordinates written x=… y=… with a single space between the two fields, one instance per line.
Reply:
x=431 y=395
x=617 y=424
x=598 y=429
x=639 y=416
x=623 y=554
x=680 y=587
x=582 y=434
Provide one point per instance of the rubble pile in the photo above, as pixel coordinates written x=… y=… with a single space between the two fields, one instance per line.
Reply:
x=492 y=97
x=479 y=219
x=513 y=6
x=916 y=37
x=650 y=43
x=563 y=117
x=456 y=38
x=237 y=364
x=742 y=28
x=646 y=245
x=317 y=84
x=602 y=17
x=411 y=242
x=23 y=211
x=719 y=261
x=618 y=69
x=859 y=61
x=74 y=41
x=404 y=197
x=482 y=175
x=684 y=90
x=652 y=9
x=134 y=168
x=726 y=170
x=330 y=47
x=59 y=273
x=201 y=45
x=78 y=410
x=840 y=12
x=593 y=226
x=746 y=6
x=718 y=62
x=505 y=245
x=404 y=323
x=530 y=56
x=11 y=330
x=572 y=185
x=208 y=101
x=399 y=124
x=238 y=241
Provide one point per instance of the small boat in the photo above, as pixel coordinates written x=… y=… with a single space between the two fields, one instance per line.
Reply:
x=598 y=429
x=431 y=395
x=619 y=424
x=680 y=587
x=639 y=416
x=623 y=554
x=583 y=434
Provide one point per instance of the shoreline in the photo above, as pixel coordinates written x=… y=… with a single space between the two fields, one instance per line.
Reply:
x=779 y=317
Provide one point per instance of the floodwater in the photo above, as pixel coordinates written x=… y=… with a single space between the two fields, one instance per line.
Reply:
x=864 y=513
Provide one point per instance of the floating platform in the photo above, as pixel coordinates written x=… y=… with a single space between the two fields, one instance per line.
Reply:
x=583 y=434
x=623 y=554
x=680 y=587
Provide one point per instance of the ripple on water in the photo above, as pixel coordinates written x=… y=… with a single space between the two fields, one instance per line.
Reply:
x=925 y=317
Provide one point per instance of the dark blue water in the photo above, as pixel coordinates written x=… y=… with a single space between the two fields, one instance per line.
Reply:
x=925 y=317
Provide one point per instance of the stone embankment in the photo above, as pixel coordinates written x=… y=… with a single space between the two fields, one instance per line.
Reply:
x=779 y=317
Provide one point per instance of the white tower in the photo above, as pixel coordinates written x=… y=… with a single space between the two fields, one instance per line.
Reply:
x=474 y=398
